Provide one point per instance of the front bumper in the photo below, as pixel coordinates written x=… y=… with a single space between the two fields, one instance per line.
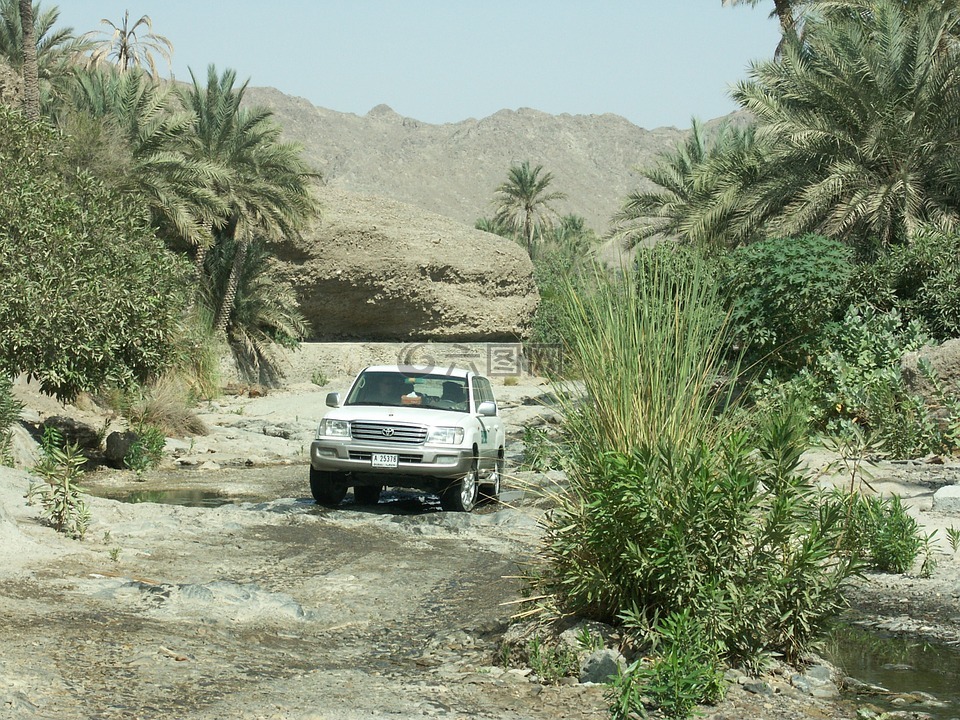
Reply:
x=423 y=460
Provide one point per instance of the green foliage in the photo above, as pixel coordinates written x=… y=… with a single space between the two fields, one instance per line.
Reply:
x=319 y=377
x=60 y=468
x=855 y=377
x=540 y=451
x=921 y=281
x=685 y=671
x=266 y=313
x=697 y=194
x=80 y=308
x=857 y=117
x=649 y=350
x=879 y=529
x=550 y=662
x=147 y=450
x=10 y=409
x=953 y=537
x=721 y=544
x=783 y=294
x=523 y=204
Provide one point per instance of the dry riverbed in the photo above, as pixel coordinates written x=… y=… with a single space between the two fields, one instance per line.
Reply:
x=268 y=606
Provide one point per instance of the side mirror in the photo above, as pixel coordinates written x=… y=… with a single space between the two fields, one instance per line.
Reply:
x=333 y=399
x=487 y=408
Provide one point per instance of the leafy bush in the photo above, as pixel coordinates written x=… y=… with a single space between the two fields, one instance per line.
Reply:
x=920 y=280
x=783 y=292
x=88 y=295
x=147 y=450
x=60 y=468
x=856 y=378
x=685 y=672
x=880 y=530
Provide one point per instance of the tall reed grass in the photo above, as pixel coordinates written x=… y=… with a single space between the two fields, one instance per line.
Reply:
x=648 y=347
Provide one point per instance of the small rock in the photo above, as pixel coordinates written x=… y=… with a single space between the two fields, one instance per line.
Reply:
x=602 y=666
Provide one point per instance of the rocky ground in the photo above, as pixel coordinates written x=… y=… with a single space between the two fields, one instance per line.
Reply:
x=268 y=606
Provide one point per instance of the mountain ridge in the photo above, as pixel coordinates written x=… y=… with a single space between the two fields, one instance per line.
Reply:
x=453 y=169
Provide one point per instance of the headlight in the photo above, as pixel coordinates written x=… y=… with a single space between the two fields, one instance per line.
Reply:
x=333 y=428
x=445 y=435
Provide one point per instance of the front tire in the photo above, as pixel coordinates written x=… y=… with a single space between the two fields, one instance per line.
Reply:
x=328 y=488
x=490 y=489
x=461 y=496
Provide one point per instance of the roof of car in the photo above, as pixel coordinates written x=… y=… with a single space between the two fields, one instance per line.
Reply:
x=421 y=370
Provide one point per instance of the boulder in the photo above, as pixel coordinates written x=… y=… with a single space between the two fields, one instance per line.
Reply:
x=378 y=270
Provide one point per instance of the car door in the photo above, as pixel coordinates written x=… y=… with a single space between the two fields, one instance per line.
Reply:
x=491 y=426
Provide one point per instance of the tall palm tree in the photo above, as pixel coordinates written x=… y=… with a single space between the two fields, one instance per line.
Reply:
x=523 y=203
x=696 y=198
x=859 y=122
x=176 y=187
x=130 y=46
x=31 y=76
x=265 y=183
x=53 y=49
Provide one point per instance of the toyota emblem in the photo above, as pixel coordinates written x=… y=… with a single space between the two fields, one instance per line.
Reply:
x=388 y=432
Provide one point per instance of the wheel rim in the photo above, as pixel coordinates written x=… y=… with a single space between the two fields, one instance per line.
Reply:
x=468 y=489
x=494 y=478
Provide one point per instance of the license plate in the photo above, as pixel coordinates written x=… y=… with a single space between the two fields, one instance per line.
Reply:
x=383 y=460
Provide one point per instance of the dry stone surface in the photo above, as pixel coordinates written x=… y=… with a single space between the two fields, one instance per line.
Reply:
x=380 y=270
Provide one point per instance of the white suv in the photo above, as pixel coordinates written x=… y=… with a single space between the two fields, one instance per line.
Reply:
x=434 y=430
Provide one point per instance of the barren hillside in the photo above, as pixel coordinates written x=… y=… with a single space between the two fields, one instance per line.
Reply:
x=453 y=169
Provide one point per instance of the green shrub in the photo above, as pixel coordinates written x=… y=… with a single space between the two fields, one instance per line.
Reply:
x=88 y=295
x=920 y=280
x=60 y=468
x=685 y=672
x=856 y=377
x=147 y=450
x=552 y=662
x=879 y=530
x=783 y=291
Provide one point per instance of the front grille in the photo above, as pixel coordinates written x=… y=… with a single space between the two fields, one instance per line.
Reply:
x=409 y=459
x=395 y=432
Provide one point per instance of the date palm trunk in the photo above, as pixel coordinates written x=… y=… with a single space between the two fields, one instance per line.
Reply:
x=236 y=269
x=31 y=78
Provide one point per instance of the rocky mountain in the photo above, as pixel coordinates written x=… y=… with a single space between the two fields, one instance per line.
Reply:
x=453 y=169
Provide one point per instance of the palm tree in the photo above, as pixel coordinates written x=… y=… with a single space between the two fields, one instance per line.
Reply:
x=130 y=46
x=523 y=203
x=31 y=76
x=176 y=187
x=50 y=53
x=859 y=126
x=697 y=191
x=266 y=311
x=265 y=184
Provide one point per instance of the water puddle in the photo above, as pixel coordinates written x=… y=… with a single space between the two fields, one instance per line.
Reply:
x=898 y=673
x=187 y=498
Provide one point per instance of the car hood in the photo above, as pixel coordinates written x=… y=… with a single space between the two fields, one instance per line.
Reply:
x=414 y=416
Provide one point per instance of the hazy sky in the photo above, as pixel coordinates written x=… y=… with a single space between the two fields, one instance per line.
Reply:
x=655 y=62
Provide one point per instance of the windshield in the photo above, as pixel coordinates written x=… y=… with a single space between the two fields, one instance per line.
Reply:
x=394 y=389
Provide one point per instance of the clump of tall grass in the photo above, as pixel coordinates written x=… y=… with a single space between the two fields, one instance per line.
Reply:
x=166 y=404
x=649 y=349
x=688 y=533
